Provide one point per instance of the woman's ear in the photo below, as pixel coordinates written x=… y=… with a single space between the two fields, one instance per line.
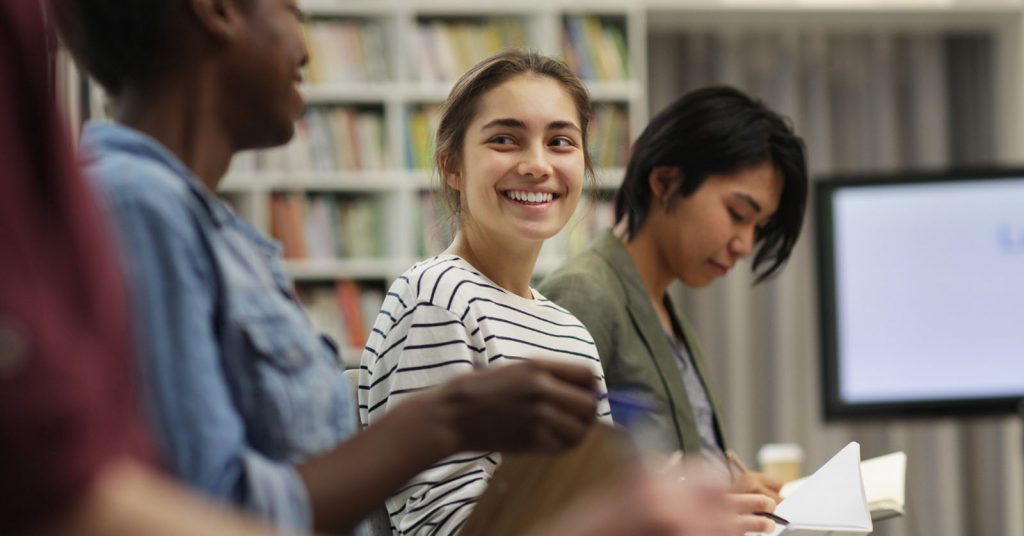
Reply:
x=450 y=173
x=454 y=180
x=664 y=181
x=219 y=18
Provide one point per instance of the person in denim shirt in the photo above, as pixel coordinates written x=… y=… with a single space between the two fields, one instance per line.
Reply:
x=247 y=401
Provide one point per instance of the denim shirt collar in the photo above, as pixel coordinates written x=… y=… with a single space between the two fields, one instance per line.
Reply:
x=108 y=136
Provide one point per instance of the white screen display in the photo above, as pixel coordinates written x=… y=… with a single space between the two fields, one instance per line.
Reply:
x=930 y=291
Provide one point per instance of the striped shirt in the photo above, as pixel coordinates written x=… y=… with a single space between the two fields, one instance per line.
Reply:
x=441 y=319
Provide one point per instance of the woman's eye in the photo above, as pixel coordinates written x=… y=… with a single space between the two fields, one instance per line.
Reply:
x=736 y=216
x=562 y=142
x=502 y=139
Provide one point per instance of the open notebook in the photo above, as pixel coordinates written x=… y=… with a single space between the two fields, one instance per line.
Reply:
x=884 y=480
x=829 y=502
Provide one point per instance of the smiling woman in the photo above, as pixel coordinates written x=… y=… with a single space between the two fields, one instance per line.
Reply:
x=512 y=158
x=521 y=175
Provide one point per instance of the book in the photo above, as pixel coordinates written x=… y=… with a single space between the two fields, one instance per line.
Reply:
x=351 y=312
x=529 y=488
x=286 y=222
x=884 y=480
x=830 y=502
x=447 y=47
x=343 y=311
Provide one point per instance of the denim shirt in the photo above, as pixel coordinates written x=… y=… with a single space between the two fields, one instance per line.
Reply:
x=238 y=383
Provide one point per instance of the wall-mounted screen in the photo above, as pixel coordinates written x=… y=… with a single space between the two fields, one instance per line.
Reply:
x=921 y=282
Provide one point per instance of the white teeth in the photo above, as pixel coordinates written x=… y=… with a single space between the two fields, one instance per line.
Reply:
x=530 y=197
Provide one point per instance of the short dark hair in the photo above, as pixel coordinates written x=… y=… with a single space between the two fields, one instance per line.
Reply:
x=720 y=130
x=116 y=41
x=460 y=108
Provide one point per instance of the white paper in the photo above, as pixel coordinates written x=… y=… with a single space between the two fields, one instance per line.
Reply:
x=884 y=480
x=831 y=501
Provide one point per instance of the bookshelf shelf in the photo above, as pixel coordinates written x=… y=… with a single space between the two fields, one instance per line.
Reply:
x=336 y=269
x=321 y=181
x=325 y=93
x=426 y=92
x=608 y=178
x=625 y=91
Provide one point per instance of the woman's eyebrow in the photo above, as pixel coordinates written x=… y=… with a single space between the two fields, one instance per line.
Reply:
x=749 y=199
x=563 y=125
x=506 y=122
x=509 y=122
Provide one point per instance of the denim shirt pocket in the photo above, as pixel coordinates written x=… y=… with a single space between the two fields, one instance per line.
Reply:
x=294 y=390
x=275 y=342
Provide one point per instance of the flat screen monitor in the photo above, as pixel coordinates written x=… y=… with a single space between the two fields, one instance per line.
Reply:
x=921 y=282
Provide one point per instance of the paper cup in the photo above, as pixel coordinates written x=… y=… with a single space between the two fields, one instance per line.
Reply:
x=781 y=460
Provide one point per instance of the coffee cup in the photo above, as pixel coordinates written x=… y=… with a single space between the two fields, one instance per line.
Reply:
x=781 y=460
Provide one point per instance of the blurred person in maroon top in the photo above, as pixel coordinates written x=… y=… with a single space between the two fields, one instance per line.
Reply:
x=73 y=452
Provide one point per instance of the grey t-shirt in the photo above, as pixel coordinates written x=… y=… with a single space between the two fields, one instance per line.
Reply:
x=703 y=413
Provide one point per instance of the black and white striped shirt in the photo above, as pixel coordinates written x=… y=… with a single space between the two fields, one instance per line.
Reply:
x=443 y=318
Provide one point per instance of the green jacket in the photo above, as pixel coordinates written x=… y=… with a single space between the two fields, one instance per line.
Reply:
x=602 y=287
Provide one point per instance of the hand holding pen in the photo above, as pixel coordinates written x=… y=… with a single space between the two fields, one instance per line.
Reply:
x=747 y=507
x=752 y=483
x=736 y=513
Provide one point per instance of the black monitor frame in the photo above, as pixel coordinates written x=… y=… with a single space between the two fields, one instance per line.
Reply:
x=834 y=407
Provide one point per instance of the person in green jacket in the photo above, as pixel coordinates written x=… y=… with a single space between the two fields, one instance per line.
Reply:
x=715 y=176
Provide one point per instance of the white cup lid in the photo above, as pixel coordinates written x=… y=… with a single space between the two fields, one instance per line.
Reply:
x=780 y=452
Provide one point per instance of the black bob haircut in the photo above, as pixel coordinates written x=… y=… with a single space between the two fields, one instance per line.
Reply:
x=120 y=42
x=720 y=130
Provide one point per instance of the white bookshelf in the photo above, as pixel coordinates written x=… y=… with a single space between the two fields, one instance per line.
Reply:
x=399 y=187
x=541 y=25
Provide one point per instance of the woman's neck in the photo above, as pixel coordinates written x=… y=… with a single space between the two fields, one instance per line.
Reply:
x=509 y=266
x=182 y=114
x=652 y=268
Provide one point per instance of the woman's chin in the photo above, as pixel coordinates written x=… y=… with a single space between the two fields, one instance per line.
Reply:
x=536 y=233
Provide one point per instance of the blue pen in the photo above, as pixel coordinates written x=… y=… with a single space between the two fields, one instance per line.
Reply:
x=629 y=410
x=630 y=402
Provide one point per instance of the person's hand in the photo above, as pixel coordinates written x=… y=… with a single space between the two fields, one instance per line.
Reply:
x=745 y=506
x=651 y=504
x=761 y=483
x=534 y=405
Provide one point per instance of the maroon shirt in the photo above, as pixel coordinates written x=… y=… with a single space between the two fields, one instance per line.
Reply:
x=67 y=400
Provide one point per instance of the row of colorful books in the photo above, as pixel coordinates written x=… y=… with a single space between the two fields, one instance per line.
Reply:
x=437 y=229
x=420 y=127
x=345 y=311
x=593 y=216
x=355 y=50
x=327 y=226
x=445 y=48
x=327 y=138
x=595 y=47
x=346 y=51
x=609 y=135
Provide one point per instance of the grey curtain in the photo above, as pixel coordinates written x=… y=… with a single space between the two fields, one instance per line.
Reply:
x=867 y=101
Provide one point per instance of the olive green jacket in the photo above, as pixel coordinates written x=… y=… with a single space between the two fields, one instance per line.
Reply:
x=602 y=287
